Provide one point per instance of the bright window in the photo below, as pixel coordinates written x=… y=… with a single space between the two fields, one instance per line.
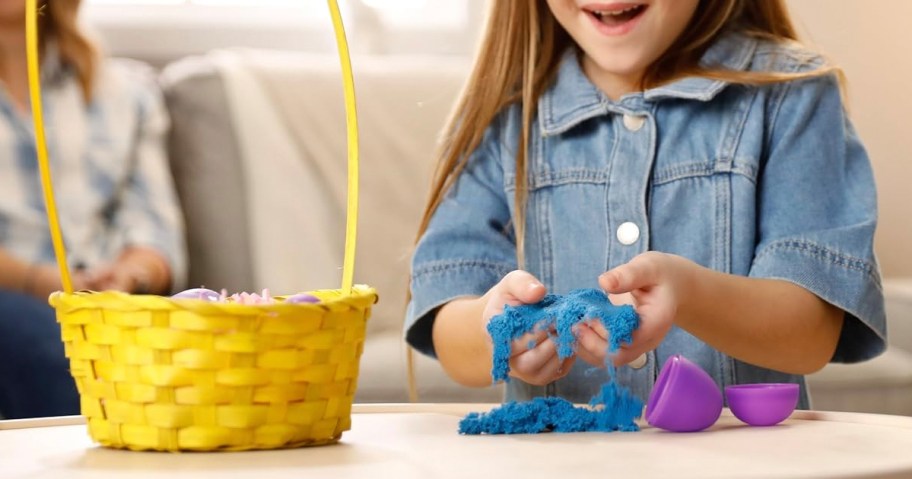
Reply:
x=401 y=13
x=161 y=30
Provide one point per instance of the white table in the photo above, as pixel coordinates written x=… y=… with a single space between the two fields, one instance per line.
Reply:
x=420 y=441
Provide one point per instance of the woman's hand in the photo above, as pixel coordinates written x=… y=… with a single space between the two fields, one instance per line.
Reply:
x=126 y=277
x=138 y=270
x=44 y=279
x=533 y=357
x=656 y=284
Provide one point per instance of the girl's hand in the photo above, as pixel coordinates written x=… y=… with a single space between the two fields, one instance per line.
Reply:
x=533 y=357
x=657 y=284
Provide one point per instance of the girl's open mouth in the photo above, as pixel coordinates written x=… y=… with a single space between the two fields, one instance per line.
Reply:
x=616 y=15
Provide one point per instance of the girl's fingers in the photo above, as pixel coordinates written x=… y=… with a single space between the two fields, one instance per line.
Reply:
x=598 y=328
x=553 y=369
x=516 y=288
x=619 y=299
x=532 y=360
x=522 y=287
x=528 y=342
x=590 y=345
x=593 y=347
x=624 y=356
x=640 y=272
x=592 y=358
x=549 y=371
x=643 y=341
x=565 y=367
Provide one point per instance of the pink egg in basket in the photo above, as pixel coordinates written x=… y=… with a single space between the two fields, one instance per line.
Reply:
x=684 y=399
x=762 y=404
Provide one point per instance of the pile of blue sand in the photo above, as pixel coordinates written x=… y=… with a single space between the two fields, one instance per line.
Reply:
x=613 y=409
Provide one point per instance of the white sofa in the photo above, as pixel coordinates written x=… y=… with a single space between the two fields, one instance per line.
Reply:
x=258 y=150
x=883 y=384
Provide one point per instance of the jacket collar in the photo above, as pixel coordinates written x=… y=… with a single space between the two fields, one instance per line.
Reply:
x=572 y=98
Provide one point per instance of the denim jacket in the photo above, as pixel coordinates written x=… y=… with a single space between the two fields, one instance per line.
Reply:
x=766 y=182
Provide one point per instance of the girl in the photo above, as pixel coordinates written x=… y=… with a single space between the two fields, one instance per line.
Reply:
x=687 y=156
x=106 y=136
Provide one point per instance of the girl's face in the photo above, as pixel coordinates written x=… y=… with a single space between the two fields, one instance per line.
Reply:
x=621 y=39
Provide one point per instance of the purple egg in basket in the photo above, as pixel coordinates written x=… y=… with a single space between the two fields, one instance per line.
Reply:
x=203 y=294
x=684 y=399
x=302 y=298
x=762 y=404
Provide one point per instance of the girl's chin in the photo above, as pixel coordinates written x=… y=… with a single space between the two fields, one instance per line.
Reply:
x=612 y=67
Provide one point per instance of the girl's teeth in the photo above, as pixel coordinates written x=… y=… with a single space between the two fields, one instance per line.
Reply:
x=615 y=13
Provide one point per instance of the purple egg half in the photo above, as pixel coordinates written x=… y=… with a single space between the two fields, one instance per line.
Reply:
x=203 y=294
x=762 y=404
x=302 y=298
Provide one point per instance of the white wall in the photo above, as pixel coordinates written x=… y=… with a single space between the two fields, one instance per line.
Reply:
x=872 y=41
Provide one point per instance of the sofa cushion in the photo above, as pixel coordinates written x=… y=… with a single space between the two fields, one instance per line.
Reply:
x=205 y=163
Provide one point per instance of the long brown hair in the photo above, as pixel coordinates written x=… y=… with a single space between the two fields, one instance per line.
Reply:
x=519 y=54
x=59 y=22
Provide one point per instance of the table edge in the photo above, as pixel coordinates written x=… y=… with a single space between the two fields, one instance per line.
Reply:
x=903 y=422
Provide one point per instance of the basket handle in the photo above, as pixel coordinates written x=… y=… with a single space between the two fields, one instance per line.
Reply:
x=34 y=82
x=351 y=120
x=351 y=117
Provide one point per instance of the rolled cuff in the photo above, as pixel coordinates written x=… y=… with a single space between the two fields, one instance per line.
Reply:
x=846 y=282
x=435 y=284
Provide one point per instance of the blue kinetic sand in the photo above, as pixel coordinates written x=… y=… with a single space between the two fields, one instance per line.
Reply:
x=559 y=314
x=614 y=408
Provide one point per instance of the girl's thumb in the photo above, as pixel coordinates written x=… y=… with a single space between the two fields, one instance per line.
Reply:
x=617 y=280
x=524 y=287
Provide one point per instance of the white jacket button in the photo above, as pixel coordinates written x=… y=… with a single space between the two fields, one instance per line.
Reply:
x=634 y=122
x=639 y=362
x=628 y=233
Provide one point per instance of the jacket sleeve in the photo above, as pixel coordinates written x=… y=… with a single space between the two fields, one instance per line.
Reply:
x=818 y=212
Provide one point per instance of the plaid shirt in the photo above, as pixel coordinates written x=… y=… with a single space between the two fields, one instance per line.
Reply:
x=111 y=178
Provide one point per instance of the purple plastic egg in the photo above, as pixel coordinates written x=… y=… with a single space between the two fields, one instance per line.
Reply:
x=684 y=399
x=203 y=294
x=302 y=298
x=762 y=404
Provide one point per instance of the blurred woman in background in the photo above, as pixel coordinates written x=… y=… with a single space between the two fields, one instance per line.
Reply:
x=106 y=126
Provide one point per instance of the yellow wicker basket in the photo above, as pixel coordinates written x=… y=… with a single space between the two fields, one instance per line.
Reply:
x=164 y=374
x=158 y=373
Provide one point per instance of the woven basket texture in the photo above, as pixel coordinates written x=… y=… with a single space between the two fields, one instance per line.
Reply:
x=156 y=373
